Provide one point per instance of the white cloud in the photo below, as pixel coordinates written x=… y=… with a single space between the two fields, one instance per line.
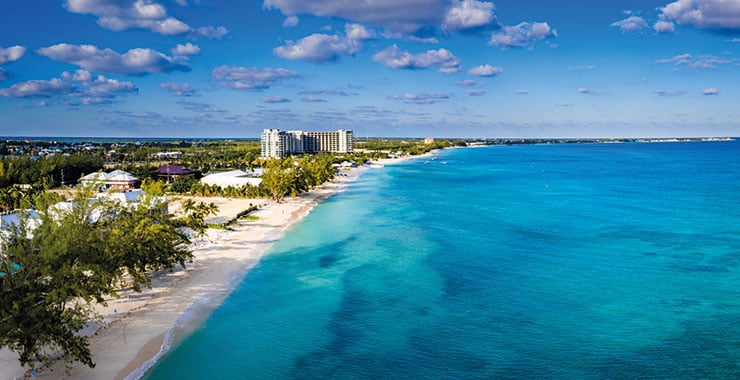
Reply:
x=323 y=48
x=710 y=91
x=421 y=98
x=118 y=15
x=331 y=91
x=702 y=62
x=291 y=21
x=38 y=89
x=250 y=78
x=178 y=89
x=486 y=71
x=184 y=50
x=585 y=90
x=631 y=24
x=91 y=90
x=313 y=99
x=678 y=59
x=211 y=32
x=664 y=27
x=475 y=92
x=521 y=35
x=396 y=58
x=134 y=62
x=468 y=15
x=467 y=82
x=399 y=16
x=274 y=99
x=11 y=54
x=521 y=92
x=704 y=14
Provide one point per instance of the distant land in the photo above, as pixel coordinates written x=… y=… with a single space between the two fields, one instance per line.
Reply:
x=469 y=141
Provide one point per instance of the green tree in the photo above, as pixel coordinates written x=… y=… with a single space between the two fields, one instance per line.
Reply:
x=51 y=276
x=278 y=177
x=195 y=215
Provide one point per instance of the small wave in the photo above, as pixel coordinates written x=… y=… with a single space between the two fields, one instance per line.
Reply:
x=193 y=313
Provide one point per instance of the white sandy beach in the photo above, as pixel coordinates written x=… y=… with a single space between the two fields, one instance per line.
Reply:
x=136 y=328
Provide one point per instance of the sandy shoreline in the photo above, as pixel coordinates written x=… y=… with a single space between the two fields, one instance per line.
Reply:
x=138 y=328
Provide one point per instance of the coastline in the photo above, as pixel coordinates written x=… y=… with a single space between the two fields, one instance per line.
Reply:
x=138 y=328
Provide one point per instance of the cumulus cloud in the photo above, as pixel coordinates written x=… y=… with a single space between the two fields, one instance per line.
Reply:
x=421 y=98
x=82 y=84
x=396 y=58
x=38 y=89
x=290 y=21
x=704 y=14
x=182 y=51
x=475 y=92
x=118 y=15
x=522 y=35
x=710 y=91
x=250 y=78
x=11 y=54
x=274 y=99
x=469 y=15
x=134 y=62
x=486 y=71
x=664 y=27
x=398 y=16
x=324 y=48
x=211 y=32
x=702 y=62
x=178 y=89
x=631 y=24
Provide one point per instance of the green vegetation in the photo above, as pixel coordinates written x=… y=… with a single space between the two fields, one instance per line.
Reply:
x=47 y=172
x=51 y=276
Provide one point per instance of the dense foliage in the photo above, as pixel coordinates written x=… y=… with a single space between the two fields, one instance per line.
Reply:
x=47 y=172
x=50 y=277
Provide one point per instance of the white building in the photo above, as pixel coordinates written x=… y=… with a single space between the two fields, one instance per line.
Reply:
x=233 y=178
x=277 y=143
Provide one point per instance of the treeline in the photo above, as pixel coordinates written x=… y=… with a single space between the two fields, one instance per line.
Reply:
x=289 y=176
x=47 y=172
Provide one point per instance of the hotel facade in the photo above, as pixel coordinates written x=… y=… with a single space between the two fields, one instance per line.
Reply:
x=277 y=143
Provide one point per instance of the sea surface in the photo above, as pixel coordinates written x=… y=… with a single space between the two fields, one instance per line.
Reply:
x=583 y=261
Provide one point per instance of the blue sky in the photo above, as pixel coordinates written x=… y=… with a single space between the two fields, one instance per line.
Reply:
x=445 y=68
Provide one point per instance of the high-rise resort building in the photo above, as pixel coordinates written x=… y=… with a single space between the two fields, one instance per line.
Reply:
x=277 y=143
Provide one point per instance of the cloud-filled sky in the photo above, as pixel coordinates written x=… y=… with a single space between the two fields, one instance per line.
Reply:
x=446 y=68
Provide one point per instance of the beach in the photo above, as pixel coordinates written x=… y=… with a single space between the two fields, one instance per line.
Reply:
x=137 y=328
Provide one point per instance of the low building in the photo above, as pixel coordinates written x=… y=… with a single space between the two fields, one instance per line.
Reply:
x=117 y=179
x=172 y=172
x=233 y=178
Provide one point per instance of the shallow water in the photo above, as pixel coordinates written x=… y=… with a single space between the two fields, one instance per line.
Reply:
x=557 y=261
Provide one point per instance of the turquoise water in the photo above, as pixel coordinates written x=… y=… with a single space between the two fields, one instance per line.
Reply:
x=584 y=261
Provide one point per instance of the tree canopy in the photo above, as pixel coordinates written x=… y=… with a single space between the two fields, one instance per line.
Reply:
x=51 y=276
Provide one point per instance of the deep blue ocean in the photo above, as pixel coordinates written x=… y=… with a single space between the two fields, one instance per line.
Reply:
x=582 y=261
